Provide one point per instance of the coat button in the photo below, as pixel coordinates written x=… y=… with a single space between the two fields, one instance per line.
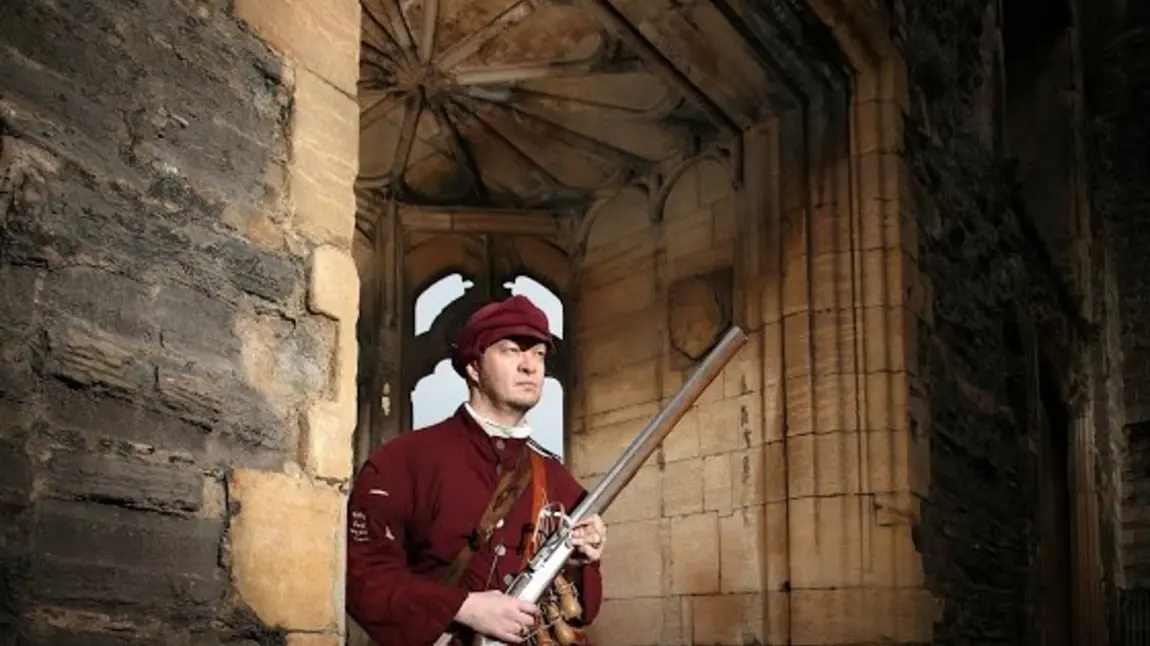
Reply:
x=500 y=550
x=499 y=469
x=507 y=579
x=500 y=444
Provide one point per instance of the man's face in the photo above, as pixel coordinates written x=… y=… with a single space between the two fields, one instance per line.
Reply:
x=511 y=372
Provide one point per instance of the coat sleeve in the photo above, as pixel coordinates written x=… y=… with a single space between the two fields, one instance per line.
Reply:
x=393 y=605
x=587 y=578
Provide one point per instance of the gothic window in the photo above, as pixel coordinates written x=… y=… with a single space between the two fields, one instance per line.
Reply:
x=436 y=394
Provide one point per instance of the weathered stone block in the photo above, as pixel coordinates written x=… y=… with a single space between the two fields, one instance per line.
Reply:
x=628 y=622
x=170 y=596
x=328 y=425
x=94 y=533
x=323 y=39
x=636 y=548
x=111 y=302
x=17 y=297
x=15 y=474
x=642 y=498
x=742 y=537
x=325 y=147
x=87 y=356
x=105 y=417
x=627 y=341
x=695 y=554
x=284 y=549
x=718 y=619
x=630 y=386
x=683 y=488
x=717 y=479
x=123 y=481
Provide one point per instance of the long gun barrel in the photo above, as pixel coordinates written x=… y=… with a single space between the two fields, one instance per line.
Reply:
x=538 y=575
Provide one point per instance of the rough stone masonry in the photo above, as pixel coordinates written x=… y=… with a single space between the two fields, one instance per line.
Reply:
x=175 y=362
x=158 y=346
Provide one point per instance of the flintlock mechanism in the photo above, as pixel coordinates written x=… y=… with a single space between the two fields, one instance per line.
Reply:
x=541 y=581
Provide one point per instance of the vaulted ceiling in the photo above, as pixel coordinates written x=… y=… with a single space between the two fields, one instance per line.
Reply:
x=544 y=103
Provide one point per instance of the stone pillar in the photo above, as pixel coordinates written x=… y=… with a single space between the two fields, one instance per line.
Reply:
x=846 y=460
x=287 y=540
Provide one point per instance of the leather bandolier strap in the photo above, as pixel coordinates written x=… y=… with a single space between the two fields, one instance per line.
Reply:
x=507 y=492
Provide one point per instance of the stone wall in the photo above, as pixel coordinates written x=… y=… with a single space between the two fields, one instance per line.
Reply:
x=651 y=298
x=1006 y=327
x=175 y=306
x=779 y=511
x=1116 y=50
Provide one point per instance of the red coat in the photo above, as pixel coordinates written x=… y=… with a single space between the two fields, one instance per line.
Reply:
x=414 y=504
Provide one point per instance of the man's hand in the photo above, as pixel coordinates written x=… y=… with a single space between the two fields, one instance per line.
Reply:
x=498 y=616
x=588 y=538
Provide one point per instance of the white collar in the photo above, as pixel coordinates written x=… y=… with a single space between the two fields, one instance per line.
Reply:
x=495 y=429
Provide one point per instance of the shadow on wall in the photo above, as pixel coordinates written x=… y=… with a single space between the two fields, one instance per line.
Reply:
x=153 y=333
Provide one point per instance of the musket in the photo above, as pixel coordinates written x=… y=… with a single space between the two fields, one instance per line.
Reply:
x=540 y=572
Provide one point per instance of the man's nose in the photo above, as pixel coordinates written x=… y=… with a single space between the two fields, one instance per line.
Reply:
x=528 y=364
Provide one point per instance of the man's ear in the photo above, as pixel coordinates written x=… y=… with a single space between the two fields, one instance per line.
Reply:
x=472 y=370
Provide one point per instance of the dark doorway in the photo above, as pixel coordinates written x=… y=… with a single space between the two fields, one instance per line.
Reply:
x=1055 y=521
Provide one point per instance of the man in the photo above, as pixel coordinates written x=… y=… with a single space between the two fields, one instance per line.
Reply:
x=429 y=549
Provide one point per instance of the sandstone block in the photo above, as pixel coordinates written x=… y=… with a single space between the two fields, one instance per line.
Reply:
x=717 y=479
x=328 y=426
x=322 y=38
x=628 y=622
x=831 y=407
x=640 y=500
x=631 y=292
x=861 y=615
x=683 y=488
x=744 y=374
x=695 y=554
x=742 y=538
x=719 y=620
x=325 y=145
x=825 y=535
x=677 y=628
x=599 y=446
x=824 y=464
x=749 y=477
x=636 y=556
x=730 y=424
x=683 y=441
x=285 y=549
x=632 y=339
x=887 y=401
x=776 y=546
x=630 y=386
